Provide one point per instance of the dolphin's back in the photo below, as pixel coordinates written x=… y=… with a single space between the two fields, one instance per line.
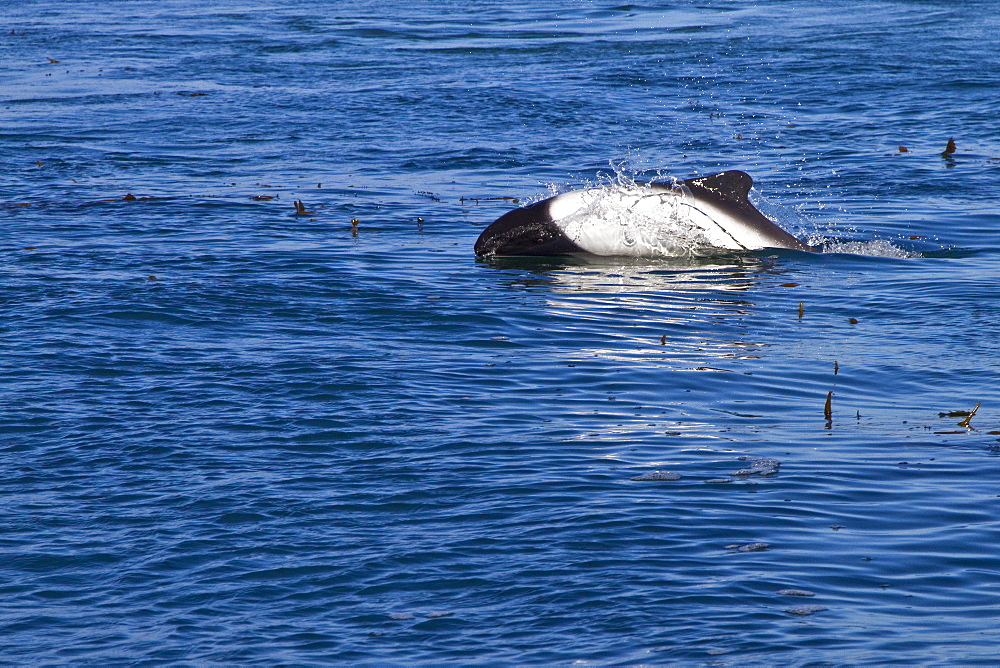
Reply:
x=712 y=210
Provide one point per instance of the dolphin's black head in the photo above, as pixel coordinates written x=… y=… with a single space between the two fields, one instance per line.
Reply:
x=525 y=231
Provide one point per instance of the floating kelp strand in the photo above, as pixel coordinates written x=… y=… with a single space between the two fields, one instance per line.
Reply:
x=968 y=419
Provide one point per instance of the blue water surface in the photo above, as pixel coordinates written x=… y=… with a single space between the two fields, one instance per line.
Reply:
x=235 y=434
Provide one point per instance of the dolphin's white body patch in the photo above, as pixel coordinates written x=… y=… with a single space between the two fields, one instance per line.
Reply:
x=641 y=221
x=623 y=221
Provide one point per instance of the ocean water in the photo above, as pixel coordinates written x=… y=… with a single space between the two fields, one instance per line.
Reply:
x=235 y=434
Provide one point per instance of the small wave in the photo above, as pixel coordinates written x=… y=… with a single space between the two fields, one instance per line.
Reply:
x=873 y=248
x=801 y=225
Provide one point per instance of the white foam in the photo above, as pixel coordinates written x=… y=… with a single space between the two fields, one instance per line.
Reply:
x=874 y=248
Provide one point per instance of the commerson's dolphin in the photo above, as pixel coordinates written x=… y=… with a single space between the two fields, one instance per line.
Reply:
x=659 y=218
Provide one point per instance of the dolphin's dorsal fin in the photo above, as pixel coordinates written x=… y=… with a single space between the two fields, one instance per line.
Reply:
x=732 y=186
x=730 y=192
